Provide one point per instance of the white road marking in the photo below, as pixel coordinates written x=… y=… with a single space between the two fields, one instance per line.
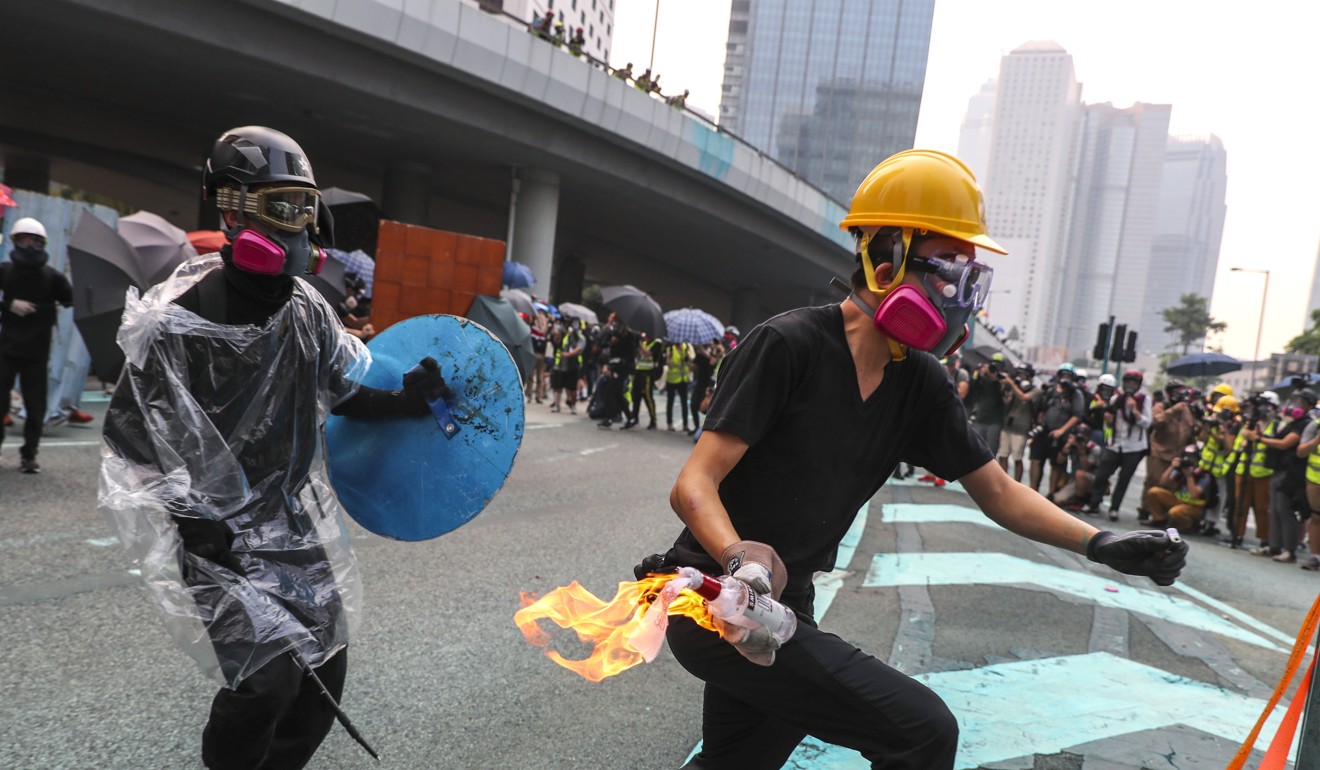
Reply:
x=594 y=450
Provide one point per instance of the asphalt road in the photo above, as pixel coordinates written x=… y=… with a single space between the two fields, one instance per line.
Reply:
x=440 y=677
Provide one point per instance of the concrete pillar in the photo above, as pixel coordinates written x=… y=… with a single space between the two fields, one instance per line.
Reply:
x=28 y=172
x=406 y=196
x=746 y=309
x=534 y=211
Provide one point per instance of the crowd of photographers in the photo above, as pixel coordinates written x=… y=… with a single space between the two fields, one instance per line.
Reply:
x=1212 y=461
x=617 y=372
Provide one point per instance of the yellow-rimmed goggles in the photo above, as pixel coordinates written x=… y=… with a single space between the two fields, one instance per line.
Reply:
x=292 y=209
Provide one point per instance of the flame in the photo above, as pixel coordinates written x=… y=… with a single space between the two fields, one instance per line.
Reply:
x=606 y=625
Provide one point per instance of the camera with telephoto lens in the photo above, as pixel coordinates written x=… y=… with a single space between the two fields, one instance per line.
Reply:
x=1036 y=432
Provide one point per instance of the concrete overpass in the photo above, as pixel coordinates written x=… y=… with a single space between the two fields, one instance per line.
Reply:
x=436 y=109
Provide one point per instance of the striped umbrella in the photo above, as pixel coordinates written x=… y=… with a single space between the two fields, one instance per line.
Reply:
x=696 y=327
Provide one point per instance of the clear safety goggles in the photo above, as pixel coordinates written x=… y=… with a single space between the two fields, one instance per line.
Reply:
x=287 y=208
x=953 y=279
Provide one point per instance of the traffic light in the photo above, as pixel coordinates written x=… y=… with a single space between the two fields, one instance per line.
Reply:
x=1101 y=343
x=1130 y=352
x=1116 y=352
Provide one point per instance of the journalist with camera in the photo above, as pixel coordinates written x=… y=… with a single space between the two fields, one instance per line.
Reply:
x=1127 y=419
x=1021 y=403
x=1182 y=494
x=1172 y=427
x=1217 y=434
x=1063 y=409
x=985 y=399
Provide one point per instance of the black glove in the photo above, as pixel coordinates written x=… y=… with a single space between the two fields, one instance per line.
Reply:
x=208 y=539
x=655 y=564
x=423 y=383
x=1147 y=552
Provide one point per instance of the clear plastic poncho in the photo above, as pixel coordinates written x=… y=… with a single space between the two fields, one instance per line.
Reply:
x=225 y=422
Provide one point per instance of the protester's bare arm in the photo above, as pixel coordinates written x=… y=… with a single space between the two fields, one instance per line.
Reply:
x=1023 y=511
x=696 y=494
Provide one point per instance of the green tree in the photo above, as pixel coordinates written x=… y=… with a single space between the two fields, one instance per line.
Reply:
x=1308 y=342
x=1190 y=319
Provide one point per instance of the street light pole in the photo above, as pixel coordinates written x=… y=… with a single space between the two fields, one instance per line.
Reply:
x=1255 y=361
x=655 y=26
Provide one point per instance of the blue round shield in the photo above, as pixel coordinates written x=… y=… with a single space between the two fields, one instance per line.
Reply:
x=415 y=478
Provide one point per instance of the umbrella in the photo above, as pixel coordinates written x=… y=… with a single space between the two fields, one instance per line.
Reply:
x=499 y=316
x=696 y=327
x=1296 y=380
x=517 y=275
x=103 y=267
x=357 y=262
x=330 y=283
x=572 y=310
x=547 y=308
x=356 y=219
x=521 y=301
x=207 y=241
x=160 y=246
x=1204 y=365
x=635 y=308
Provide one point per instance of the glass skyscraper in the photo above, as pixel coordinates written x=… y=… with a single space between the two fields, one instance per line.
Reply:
x=828 y=87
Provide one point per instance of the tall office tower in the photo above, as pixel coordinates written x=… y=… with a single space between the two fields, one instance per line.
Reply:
x=1028 y=188
x=975 y=134
x=1106 y=264
x=1185 y=254
x=828 y=87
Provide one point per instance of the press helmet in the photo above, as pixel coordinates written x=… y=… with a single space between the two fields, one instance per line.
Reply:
x=28 y=226
x=1066 y=367
x=1223 y=389
x=1227 y=404
x=1271 y=397
x=1107 y=380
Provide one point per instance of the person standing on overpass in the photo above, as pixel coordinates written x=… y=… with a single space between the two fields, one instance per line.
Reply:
x=812 y=412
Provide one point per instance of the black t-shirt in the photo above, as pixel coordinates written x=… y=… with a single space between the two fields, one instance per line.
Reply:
x=1286 y=460
x=28 y=336
x=816 y=452
x=986 y=396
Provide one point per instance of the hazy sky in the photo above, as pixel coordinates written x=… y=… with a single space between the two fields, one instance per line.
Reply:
x=1244 y=71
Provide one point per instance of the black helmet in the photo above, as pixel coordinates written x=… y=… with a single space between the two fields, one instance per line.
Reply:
x=1306 y=394
x=255 y=155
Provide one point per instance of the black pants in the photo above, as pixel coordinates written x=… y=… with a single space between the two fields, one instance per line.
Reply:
x=679 y=390
x=643 y=392
x=32 y=375
x=1111 y=461
x=275 y=719
x=753 y=716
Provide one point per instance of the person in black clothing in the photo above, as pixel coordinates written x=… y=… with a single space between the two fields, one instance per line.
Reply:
x=985 y=396
x=617 y=360
x=213 y=458
x=29 y=291
x=811 y=413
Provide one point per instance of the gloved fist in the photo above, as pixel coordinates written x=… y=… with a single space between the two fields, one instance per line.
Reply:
x=423 y=383
x=757 y=565
x=1147 y=552
x=208 y=539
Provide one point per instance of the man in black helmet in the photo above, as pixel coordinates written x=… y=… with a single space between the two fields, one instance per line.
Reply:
x=213 y=458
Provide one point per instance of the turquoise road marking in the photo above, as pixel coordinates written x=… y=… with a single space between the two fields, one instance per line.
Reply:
x=1043 y=706
x=952 y=486
x=888 y=569
x=906 y=513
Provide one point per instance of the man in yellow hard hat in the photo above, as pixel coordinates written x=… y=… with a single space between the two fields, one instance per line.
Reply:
x=812 y=413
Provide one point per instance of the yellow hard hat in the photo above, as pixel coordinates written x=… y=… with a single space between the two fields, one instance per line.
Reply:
x=922 y=190
x=1223 y=389
x=1226 y=402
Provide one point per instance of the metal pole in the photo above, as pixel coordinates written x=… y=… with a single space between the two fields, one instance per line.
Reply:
x=1261 y=326
x=1109 y=346
x=655 y=26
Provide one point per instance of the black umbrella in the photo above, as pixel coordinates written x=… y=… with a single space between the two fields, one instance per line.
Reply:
x=1204 y=365
x=330 y=283
x=160 y=246
x=635 y=308
x=356 y=219
x=497 y=315
x=103 y=267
